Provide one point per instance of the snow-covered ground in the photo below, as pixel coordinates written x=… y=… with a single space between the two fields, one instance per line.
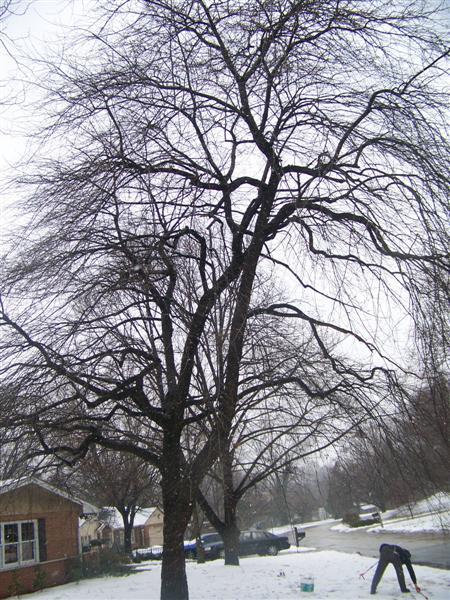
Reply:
x=426 y=516
x=432 y=523
x=336 y=576
x=436 y=503
x=426 y=524
x=431 y=515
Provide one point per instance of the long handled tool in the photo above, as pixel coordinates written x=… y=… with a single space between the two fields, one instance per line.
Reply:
x=362 y=574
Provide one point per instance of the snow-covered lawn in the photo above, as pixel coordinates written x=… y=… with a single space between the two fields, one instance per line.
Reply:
x=336 y=576
x=431 y=515
x=432 y=523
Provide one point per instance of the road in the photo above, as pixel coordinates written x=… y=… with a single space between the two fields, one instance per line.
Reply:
x=426 y=549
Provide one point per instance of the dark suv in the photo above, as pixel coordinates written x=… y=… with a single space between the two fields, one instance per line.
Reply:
x=250 y=542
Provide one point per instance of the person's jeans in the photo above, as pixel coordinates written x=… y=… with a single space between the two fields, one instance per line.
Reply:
x=388 y=555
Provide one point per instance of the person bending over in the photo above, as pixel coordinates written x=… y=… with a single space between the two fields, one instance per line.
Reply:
x=397 y=556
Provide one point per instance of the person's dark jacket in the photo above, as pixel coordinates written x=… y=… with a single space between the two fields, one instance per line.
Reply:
x=405 y=558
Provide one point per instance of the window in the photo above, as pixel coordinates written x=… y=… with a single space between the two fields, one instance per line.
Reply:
x=259 y=535
x=208 y=538
x=18 y=544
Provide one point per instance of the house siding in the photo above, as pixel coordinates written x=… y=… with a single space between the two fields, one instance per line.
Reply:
x=32 y=503
x=154 y=529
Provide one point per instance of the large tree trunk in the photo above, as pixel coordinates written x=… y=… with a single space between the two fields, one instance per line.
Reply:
x=230 y=536
x=173 y=572
x=128 y=522
x=230 y=531
x=228 y=527
x=127 y=530
x=177 y=507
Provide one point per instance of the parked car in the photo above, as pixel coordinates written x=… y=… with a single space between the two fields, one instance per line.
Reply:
x=190 y=547
x=250 y=542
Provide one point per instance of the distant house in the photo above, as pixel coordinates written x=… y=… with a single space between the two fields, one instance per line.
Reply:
x=107 y=529
x=39 y=535
x=95 y=532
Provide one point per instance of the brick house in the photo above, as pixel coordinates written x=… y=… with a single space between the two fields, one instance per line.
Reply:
x=107 y=528
x=39 y=535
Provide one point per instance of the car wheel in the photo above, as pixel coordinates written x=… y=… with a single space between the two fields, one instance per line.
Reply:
x=272 y=550
x=190 y=555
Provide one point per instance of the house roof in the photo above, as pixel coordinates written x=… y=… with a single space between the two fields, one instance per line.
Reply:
x=8 y=485
x=143 y=515
x=115 y=520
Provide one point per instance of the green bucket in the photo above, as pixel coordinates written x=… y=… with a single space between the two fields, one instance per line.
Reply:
x=307 y=585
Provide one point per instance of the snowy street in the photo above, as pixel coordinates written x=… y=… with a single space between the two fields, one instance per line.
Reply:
x=432 y=549
x=336 y=576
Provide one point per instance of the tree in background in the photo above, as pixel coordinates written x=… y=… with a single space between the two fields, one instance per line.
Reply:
x=16 y=447
x=303 y=138
x=119 y=480
x=427 y=434
x=290 y=405
x=400 y=460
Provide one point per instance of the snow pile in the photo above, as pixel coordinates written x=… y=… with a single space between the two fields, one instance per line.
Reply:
x=430 y=515
x=437 y=503
x=336 y=576
x=432 y=523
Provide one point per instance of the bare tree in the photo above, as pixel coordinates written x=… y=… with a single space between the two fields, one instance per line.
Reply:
x=10 y=9
x=302 y=137
x=290 y=404
x=16 y=447
x=401 y=459
x=119 y=480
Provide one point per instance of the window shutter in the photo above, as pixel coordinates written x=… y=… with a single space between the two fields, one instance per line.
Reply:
x=42 y=540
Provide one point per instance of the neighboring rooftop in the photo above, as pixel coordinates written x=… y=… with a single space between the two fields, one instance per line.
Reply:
x=8 y=485
x=114 y=518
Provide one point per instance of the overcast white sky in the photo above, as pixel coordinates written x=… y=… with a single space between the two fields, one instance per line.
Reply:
x=40 y=29
x=36 y=28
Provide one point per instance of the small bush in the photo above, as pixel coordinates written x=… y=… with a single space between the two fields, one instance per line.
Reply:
x=351 y=519
x=98 y=564
x=40 y=579
x=16 y=587
x=75 y=569
x=105 y=562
